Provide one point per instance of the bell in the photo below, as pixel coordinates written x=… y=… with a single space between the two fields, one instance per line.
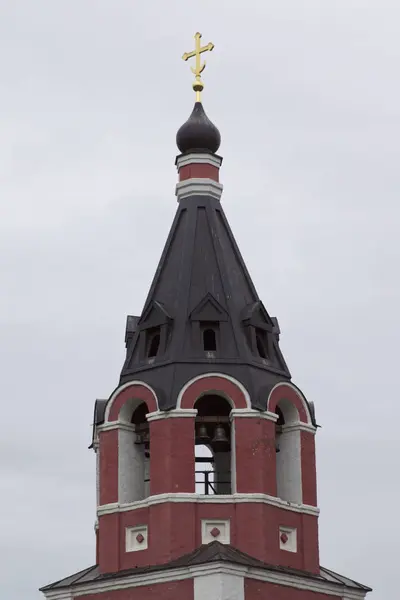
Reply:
x=220 y=442
x=202 y=436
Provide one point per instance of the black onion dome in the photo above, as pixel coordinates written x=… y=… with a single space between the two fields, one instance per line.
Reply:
x=198 y=133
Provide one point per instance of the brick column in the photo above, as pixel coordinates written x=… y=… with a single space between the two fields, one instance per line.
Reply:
x=172 y=458
x=254 y=448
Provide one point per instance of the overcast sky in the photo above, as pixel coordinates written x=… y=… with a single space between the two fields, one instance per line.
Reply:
x=307 y=98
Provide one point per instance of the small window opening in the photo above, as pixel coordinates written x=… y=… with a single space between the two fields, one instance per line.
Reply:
x=209 y=340
x=261 y=344
x=153 y=345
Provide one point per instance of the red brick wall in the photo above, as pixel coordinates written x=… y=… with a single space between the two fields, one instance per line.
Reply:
x=308 y=468
x=175 y=529
x=259 y=590
x=108 y=448
x=172 y=467
x=199 y=170
x=255 y=455
x=175 y=590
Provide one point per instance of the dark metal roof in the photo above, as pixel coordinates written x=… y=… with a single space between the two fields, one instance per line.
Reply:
x=211 y=553
x=198 y=133
x=202 y=277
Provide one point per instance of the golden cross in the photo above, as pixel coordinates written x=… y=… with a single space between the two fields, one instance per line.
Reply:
x=198 y=85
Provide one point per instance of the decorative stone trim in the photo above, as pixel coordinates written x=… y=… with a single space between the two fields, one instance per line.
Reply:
x=274 y=577
x=170 y=414
x=136 y=538
x=123 y=387
x=198 y=158
x=116 y=425
x=204 y=499
x=208 y=376
x=288 y=539
x=299 y=426
x=198 y=187
x=212 y=530
x=255 y=414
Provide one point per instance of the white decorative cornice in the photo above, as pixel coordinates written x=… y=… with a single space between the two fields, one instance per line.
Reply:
x=198 y=158
x=120 y=425
x=178 y=413
x=285 y=579
x=198 y=187
x=299 y=426
x=255 y=414
x=238 y=498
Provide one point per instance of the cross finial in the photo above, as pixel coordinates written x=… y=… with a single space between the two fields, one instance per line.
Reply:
x=198 y=85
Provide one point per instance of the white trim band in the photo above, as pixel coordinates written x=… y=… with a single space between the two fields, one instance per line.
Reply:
x=299 y=426
x=238 y=498
x=197 y=158
x=255 y=414
x=110 y=425
x=170 y=414
x=198 y=187
x=274 y=577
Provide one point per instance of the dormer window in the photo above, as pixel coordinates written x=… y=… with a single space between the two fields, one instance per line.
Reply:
x=261 y=342
x=153 y=342
x=209 y=335
x=209 y=340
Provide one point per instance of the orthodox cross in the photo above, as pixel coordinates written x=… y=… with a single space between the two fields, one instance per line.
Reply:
x=198 y=85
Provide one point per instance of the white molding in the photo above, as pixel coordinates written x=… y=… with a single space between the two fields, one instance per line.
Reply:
x=196 y=186
x=110 y=425
x=165 y=576
x=209 y=499
x=255 y=414
x=222 y=376
x=298 y=394
x=197 y=158
x=171 y=414
x=299 y=426
x=120 y=389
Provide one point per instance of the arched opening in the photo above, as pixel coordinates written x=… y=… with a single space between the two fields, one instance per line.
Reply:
x=288 y=453
x=213 y=445
x=153 y=343
x=209 y=340
x=134 y=455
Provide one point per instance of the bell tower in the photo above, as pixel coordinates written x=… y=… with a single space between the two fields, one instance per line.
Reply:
x=205 y=451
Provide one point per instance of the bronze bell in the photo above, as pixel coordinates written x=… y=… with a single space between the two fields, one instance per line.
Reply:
x=202 y=436
x=220 y=442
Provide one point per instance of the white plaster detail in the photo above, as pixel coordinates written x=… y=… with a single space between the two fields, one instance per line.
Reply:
x=198 y=158
x=255 y=414
x=233 y=459
x=290 y=545
x=131 y=468
x=209 y=525
x=170 y=414
x=298 y=394
x=306 y=509
x=198 y=187
x=274 y=577
x=120 y=389
x=299 y=426
x=116 y=425
x=222 y=376
x=288 y=467
x=136 y=538
x=219 y=586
